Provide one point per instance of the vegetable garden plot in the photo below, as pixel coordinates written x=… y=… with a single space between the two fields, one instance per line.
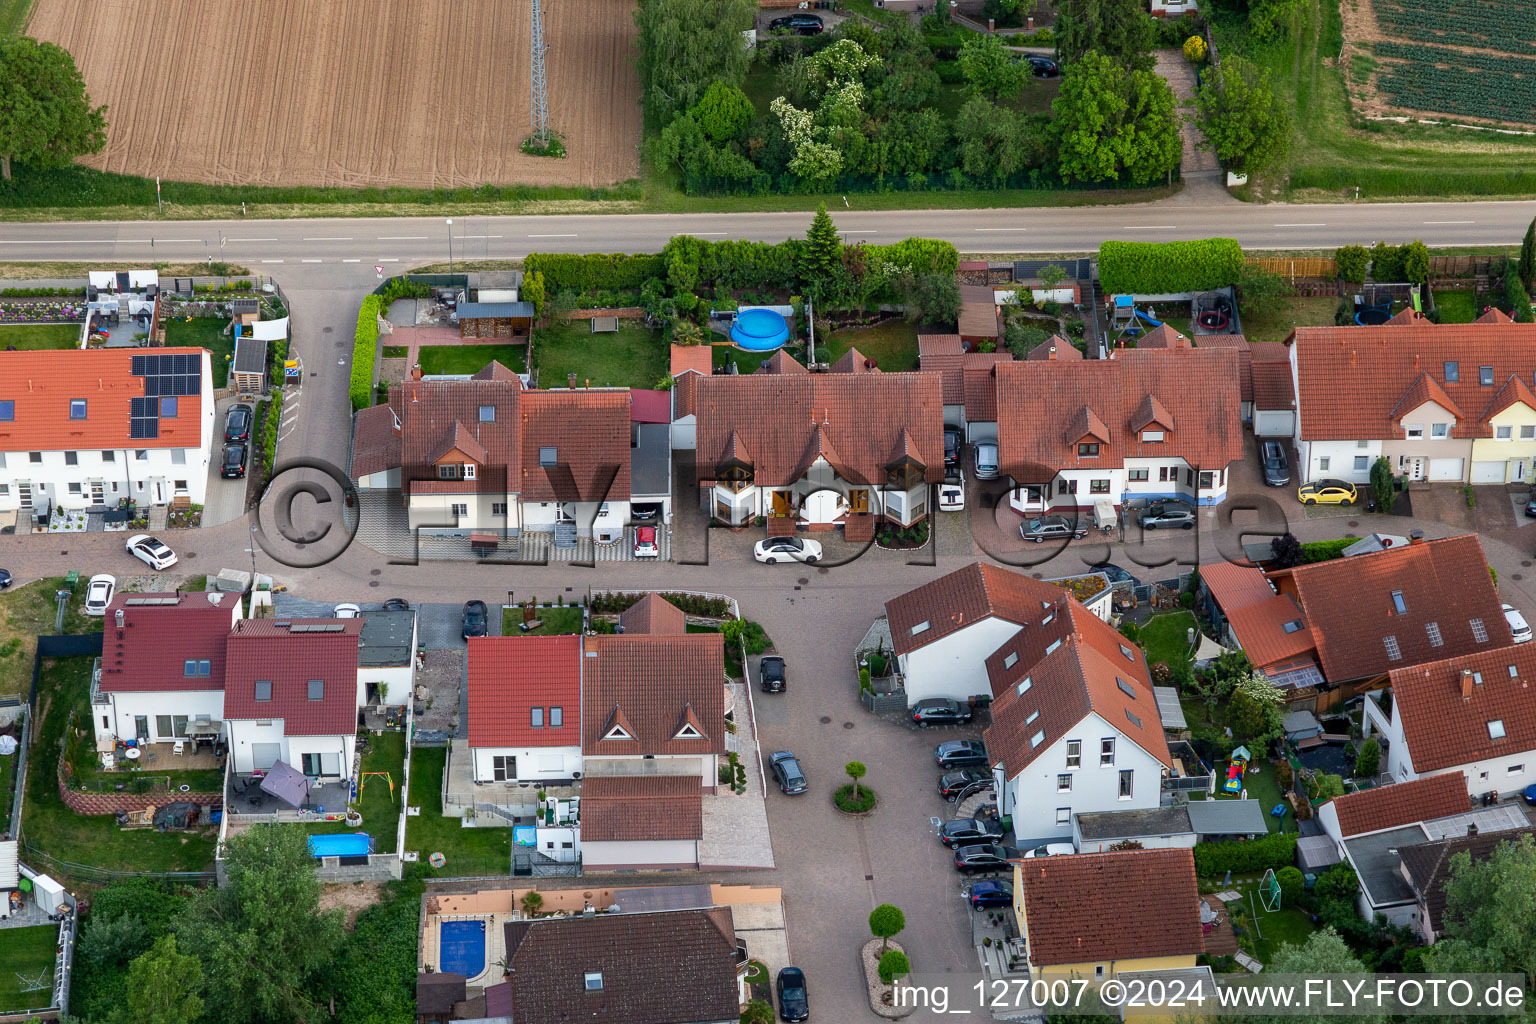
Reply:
x=1478 y=85
x=1504 y=26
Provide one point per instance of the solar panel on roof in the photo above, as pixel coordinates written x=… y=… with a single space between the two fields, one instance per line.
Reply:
x=152 y=600
x=143 y=417
x=174 y=374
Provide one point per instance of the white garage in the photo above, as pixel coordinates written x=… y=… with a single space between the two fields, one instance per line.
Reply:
x=1274 y=423
x=1488 y=472
x=641 y=822
x=1446 y=469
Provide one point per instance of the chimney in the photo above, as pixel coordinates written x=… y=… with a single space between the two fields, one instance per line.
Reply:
x=1466 y=684
x=1416 y=537
x=570 y=380
x=416 y=372
x=588 y=383
x=1471 y=828
x=1052 y=353
x=119 y=618
x=1351 y=357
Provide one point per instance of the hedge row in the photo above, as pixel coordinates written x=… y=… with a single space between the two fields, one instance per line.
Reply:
x=365 y=347
x=584 y=272
x=1277 y=850
x=1161 y=268
x=1325 y=550
x=271 y=419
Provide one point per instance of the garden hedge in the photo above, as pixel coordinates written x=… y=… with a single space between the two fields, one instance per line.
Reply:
x=1325 y=550
x=1161 y=268
x=584 y=272
x=365 y=346
x=1277 y=850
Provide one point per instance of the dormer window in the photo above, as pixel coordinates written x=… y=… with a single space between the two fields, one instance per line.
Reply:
x=1151 y=437
x=1088 y=449
x=688 y=732
x=617 y=733
x=905 y=473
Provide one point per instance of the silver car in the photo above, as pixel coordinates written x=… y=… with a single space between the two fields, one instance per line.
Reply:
x=986 y=461
x=1051 y=528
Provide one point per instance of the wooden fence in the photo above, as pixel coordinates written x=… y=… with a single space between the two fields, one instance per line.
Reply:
x=1296 y=266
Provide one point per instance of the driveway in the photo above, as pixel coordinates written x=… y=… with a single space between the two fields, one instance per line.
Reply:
x=226 y=498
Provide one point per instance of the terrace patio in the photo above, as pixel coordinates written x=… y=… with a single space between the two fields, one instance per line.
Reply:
x=246 y=802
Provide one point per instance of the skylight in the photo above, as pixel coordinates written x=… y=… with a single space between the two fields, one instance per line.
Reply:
x=1496 y=729
x=1394 y=652
x=1433 y=629
x=1125 y=688
x=1037 y=739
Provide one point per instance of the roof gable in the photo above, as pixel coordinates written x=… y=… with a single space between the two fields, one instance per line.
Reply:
x=1406 y=803
x=289 y=654
x=653 y=614
x=589 y=432
x=961 y=598
x=166 y=642
x=1111 y=906
x=1447 y=708
x=507 y=676
x=638 y=690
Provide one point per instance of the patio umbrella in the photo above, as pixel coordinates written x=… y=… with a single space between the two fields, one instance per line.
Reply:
x=286 y=783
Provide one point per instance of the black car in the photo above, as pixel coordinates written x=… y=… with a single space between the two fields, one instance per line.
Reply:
x=970 y=831
x=475 y=617
x=794 y=1003
x=952 y=784
x=1042 y=66
x=1168 y=515
x=771 y=672
x=988 y=857
x=803 y=24
x=951 y=447
x=787 y=773
x=940 y=711
x=1051 y=528
x=1530 y=510
x=237 y=423
x=1277 y=472
x=960 y=753
x=5 y=578
x=397 y=604
x=645 y=512
x=232 y=467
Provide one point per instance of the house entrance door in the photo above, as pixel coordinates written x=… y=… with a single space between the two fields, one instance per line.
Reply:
x=141 y=728
x=1517 y=470
x=1416 y=468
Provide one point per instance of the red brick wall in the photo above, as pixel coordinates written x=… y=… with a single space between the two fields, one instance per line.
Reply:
x=111 y=803
x=623 y=313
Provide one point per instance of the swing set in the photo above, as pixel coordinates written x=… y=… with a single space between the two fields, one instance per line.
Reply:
x=363 y=782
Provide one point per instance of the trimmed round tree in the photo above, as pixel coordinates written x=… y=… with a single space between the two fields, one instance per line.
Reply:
x=856 y=771
x=893 y=963
x=885 y=921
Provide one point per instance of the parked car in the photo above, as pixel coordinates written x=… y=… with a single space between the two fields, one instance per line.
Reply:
x=1052 y=850
x=787 y=549
x=984 y=461
x=1518 y=627
x=960 y=753
x=1327 y=492
x=952 y=491
x=1277 y=470
x=237 y=422
x=1530 y=794
x=771 y=675
x=952 y=442
x=645 y=542
x=475 y=618
x=397 y=604
x=5 y=578
x=645 y=511
x=151 y=551
x=940 y=711
x=1167 y=515
x=786 y=772
x=347 y=611
x=970 y=831
x=1042 y=66
x=985 y=857
x=1530 y=505
x=794 y=1001
x=991 y=894
x=232 y=465
x=98 y=594
x=800 y=24
x=1047 y=528
x=952 y=784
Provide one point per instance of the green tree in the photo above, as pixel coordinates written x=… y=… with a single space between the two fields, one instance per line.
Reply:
x=1022 y=337
x=758 y=1012
x=856 y=770
x=821 y=258
x=685 y=46
x=1247 y=125
x=1368 y=761
x=686 y=332
x=724 y=112
x=1383 y=484
x=1352 y=261
x=1386 y=262
x=1217 y=681
x=46 y=117
x=1292 y=882
x=1259 y=291
x=533 y=291
x=1051 y=275
x=1254 y=712
x=990 y=69
x=1488 y=923
x=1337 y=883
x=1323 y=953
x=885 y=921
x=532 y=902
x=1415 y=259
x=1329 y=785
x=894 y=963
x=1527 y=265
x=262 y=939
x=1119 y=29
x=163 y=986
x=930 y=298
x=1114 y=124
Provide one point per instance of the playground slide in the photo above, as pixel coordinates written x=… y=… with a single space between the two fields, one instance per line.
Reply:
x=1148 y=319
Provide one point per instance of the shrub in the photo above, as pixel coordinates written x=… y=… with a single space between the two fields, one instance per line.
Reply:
x=1325 y=550
x=1368 y=761
x=1386 y=262
x=1337 y=883
x=1156 y=268
x=1277 y=850
x=1352 y=260
x=365 y=347
x=582 y=272
x=758 y=1011
x=1284 y=776
x=271 y=418
x=1194 y=49
x=885 y=921
x=894 y=962
x=1291 y=885
x=847 y=800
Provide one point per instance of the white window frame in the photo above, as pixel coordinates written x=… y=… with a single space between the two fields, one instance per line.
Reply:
x=1414 y=431
x=1107 y=752
x=1074 y=754
x=1323 y=463
x=1506 y=433
x=1127 y=784
x=1439 y=431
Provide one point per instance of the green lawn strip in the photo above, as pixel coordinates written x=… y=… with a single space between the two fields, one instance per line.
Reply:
x=380 y=809
x=31 y=337
x=395 y=351
x=468 y=851
x=209 y=332
x=555 y=621
x=7 y=780
x=1263 y=787
x=633 y=356
x=747 y=362
x=1163 y=638
x=1286 y=926
x=1457 y=307
x=26 y=951
x=93 y=840
x=469 y=358
x=27 y=612
x=13 y=16
x=892 y=345
x=1288 y=313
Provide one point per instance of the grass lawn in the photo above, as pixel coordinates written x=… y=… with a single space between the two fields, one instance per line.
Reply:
x=633 y=356
x=1286 y=926
x=1457 y=307
x=209 y=332
x=469 y=358
x=1289 y=312
x=28 y=337
x=747 y=362
x=93 y=840
x=27 y=951
x=7 y=780
x=26 y=612
x=1263 y=787
x=1163 y=638
x=469 y=851
x=380 y=809
x=892 y=345
x=555 y=621
x=395 y=351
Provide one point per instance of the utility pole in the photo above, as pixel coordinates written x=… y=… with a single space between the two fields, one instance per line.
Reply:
x=450 y=247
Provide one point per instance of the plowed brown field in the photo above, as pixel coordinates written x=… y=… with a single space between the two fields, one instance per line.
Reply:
x=352 y=92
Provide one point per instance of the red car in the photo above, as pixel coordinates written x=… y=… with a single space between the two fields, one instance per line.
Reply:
x=645 y=542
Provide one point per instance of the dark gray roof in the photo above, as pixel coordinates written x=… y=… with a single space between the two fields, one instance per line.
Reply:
x=489 y=310
x=1378 y=864
x=1153 y=821
x=436 y=993
x=386 y=639
x=250 y=355
x=1314 y=853
x=1079 y=269
x=1169 y=709
x=650 y=460
x=1228 y=817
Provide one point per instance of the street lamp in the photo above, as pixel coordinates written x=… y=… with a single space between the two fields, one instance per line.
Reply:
x=252 y=550
x=450 y=246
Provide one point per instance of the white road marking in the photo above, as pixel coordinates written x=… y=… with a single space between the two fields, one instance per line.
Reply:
x=552 y=236
x=358 y=260
x=1450 y=222
x=479 y=236
x=330 y=238
x=858 y=232
x=389 y=259
x=1150 y=227
x=402 y=238
x=250 y=239
x=67 y=241
x=309 y=261
x=1000 y=229
x=271 y=261
x=1301 y=225
x=178 y=239
x=709 y=234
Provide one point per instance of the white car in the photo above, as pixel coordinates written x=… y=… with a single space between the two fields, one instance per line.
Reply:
x=1052 y=850
x=348 y=611
x=952 y=493
x=151 y=551
x=787 y=549
x=1518 y=627
x=98 y=594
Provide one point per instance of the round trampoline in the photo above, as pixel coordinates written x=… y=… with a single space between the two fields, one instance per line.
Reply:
x=1214 y=320
x=759 y=330
x=1373 y=316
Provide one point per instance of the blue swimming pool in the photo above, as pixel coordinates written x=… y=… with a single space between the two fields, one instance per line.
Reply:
x=759 y=330
x=461 y=947
x=354 y=844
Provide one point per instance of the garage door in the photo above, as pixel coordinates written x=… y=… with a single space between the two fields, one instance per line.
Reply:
x=1274 y=424
x=1445 y=469
x=1488 y=472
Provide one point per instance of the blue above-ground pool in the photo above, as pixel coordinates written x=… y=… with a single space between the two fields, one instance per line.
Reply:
x=759 y=330
x=461 y=947
x=353 y=844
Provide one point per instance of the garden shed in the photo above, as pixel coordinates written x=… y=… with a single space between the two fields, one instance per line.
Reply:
x=248 y=370
x=495 y=319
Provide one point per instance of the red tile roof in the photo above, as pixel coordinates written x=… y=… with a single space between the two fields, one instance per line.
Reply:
x=1164 y=337
x=1055 y=347
x=589 y=431
x=646 y=685
x=150 y=652
x=1444 y=729
x=944 y=354
x=43 y=382
x=283 y=652
x=1357 y=383
x=431 y=413
x=981 y=385
x=1235 y=586
x=649 y=406
x=641 y=807
x=698 y=358
x=978 y=312
x=956 y=600
x=1261 y=631
x=509 y=675
x=653 y=614
x=375 y=444
x=1042 y=405
x=1406 y=803
x=1245 y=357
x=1095 y=907
x=1348 y=604
x=685 y=392
x=1273 y=388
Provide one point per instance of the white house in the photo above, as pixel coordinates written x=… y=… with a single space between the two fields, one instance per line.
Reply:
x=524 y=709
x=83 y=428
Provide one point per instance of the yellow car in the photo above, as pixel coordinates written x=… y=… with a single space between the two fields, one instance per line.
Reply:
x=1327 y=492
